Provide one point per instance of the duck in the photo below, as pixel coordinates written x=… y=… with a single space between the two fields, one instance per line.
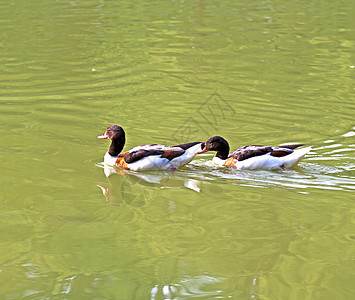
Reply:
x=147 y=157
x=255 y=157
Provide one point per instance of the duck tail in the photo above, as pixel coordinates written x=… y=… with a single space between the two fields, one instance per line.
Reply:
x=294 y=158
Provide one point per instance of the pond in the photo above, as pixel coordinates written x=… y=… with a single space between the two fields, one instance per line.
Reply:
x=169 y=72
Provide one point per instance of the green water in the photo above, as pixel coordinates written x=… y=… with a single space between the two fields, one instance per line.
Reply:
x=254 y=72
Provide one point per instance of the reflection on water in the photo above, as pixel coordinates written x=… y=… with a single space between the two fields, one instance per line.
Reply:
x=132 y=187
x=197 y=286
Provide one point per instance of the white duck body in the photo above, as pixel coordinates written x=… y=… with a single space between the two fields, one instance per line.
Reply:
x=156 y=162
x=255 y=157
x=147 y=157
x=267 y=161
x=109 y=159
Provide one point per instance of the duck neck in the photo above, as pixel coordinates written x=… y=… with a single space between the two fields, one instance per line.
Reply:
x=117 y=145
x=223 y=154
x=223 y=150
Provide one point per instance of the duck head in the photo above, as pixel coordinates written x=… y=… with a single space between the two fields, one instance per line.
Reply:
x=218 y=144
x=118 y=138
x=112 y=131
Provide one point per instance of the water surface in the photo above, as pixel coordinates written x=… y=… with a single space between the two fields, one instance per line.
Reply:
x=265 y=72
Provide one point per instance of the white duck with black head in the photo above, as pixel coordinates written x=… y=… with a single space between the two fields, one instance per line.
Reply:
x=147 y=157
x=255 y=157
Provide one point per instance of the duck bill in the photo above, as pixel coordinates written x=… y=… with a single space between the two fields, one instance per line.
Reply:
x=203 y=151
x=103 y=137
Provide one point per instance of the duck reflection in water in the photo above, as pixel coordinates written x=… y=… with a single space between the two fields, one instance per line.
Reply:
x=137 y=188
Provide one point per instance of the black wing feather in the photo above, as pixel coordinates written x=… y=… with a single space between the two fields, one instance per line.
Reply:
x=291 y=146
x=249 y=151
x=139 y=154
x=187 y=145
